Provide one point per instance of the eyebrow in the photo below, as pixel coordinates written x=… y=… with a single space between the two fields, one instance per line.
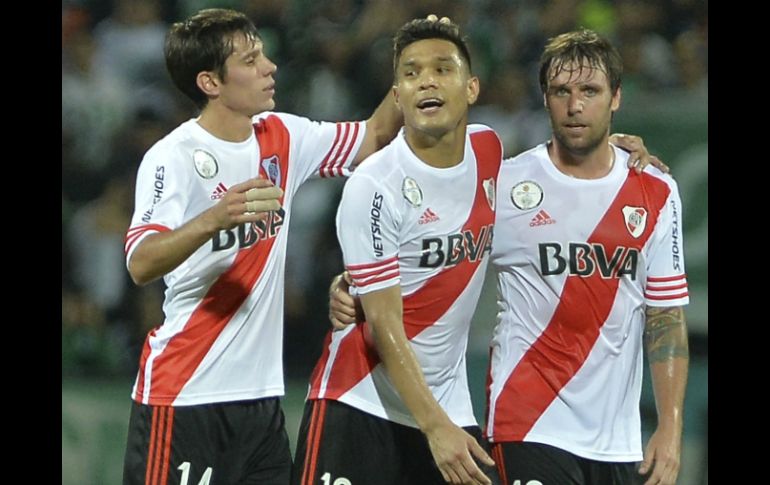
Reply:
x=252 y=52
x=448 y=59
x=583 y=84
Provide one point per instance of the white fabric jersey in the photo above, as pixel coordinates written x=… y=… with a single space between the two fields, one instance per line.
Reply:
x=428 y=229
x=221 y=339
x=577 y=262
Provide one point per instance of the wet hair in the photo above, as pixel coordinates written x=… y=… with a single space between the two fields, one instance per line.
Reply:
x=203 y=42
x=584 y=48
x=421 y=29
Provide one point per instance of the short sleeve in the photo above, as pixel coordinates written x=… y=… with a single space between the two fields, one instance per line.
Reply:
x=367 y=229
x=323 y=149
x=161 y=198
x=666 y=278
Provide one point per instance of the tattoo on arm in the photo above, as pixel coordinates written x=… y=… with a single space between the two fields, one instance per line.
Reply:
x=665 y=334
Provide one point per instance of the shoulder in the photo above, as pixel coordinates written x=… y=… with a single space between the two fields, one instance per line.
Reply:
x=526 y=158
x=655 y=176
x=476 y=130
x=172 y=149
x=381 y=163
x=272 y=119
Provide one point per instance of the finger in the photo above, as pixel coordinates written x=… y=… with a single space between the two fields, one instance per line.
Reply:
x=256 y=182
x=645 y=466
x=658 y=163
x=444 y=20
x=343 y=299
x=629 y=142
x=655 y=477
x=455 y=476
x=432 y=17
x=336 y=324
x=469 y=472
x=249 y=217
x=474 y=472
x=479 y=452
x=261 y=206
x=348 y=279
x=343 y=313
x=447 y=478
x=668 y=477
x=263 y=193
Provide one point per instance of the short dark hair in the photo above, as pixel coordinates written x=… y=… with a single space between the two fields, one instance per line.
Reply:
x=421 y=29
x=203 y=42
x=584 y=48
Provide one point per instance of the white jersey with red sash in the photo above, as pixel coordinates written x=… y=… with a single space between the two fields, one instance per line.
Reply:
x=221 y=339
x=428 y=229
x=578 y=260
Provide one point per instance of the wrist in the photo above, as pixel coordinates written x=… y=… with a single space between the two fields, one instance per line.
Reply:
x=433 y=421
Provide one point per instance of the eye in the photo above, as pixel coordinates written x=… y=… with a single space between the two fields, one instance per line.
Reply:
x=590 y=92
x=561 y=92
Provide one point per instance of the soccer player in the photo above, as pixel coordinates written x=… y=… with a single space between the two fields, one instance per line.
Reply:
x=590 y=266
x=389 y=400
x=533 y=272
x=212 y=200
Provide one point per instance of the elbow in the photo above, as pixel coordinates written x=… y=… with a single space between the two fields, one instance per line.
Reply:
x=139 y=278
x=140 y=274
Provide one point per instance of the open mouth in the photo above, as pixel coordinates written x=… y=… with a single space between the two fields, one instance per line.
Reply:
x=430 y=105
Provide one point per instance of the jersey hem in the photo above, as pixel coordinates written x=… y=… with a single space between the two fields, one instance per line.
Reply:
x=210 y=398
x=583 y=453
x=392 y=416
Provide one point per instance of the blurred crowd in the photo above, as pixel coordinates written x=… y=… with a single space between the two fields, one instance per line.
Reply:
x=334 y=63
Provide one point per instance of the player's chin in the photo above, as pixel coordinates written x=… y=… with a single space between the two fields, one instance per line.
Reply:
x=268 y=105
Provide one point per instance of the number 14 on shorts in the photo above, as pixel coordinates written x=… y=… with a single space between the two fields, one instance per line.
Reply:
x=205 y=479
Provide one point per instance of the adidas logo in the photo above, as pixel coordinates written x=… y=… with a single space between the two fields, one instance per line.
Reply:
x=541 y=219
x=219 y=191
x=428 y=216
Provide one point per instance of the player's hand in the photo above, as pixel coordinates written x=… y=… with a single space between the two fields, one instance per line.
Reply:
x=638 y=157
x=434 y=18
x=661 y=457
x=249 y=201
x=342 y=306
x=453 y=450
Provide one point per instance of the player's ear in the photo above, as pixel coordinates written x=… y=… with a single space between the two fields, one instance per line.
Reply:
x=615 y=103
x=208 y=83
x=473 y=89
x=395 y=96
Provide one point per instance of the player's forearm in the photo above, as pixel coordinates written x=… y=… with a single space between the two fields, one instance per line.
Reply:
x=384 y=315
x=406 y=375
x=381 y=128
x=665 y=338
x=161 y=253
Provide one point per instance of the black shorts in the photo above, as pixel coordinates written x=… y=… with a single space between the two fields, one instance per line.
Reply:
x=342 y=445
x=241 y=442
x=530 y=463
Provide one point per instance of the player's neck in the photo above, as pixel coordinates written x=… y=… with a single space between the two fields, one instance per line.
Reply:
x=592 y=165
x=225 y=124
x=443 y=151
